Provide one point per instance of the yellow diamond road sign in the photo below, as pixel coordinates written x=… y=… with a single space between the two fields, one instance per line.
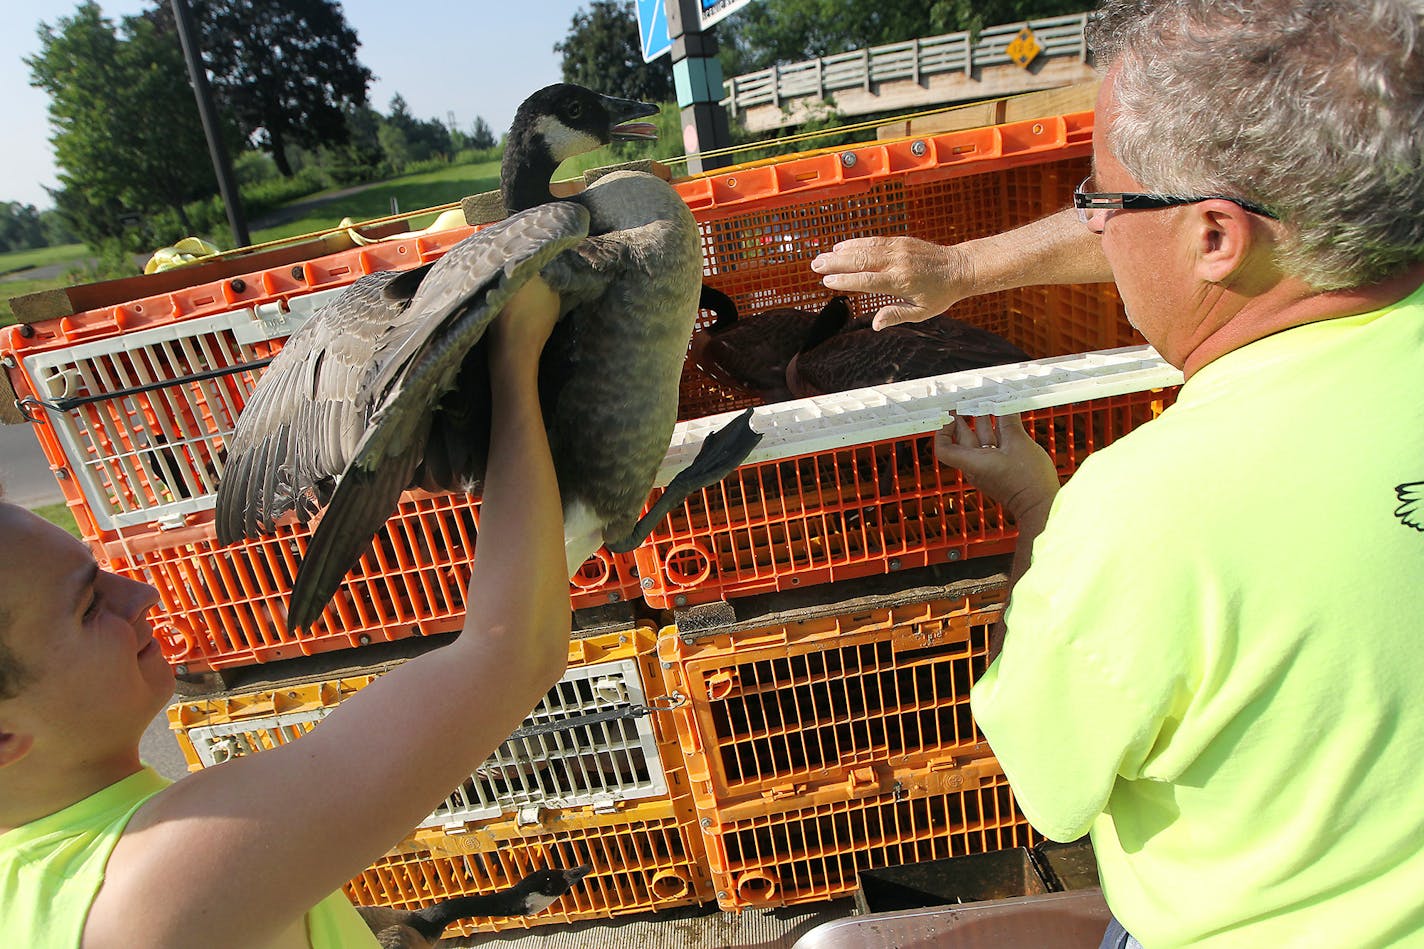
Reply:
x=1024 y=48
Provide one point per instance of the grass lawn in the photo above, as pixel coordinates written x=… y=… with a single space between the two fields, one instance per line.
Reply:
x=60 y=515
x=16 y=261
x=409 y=192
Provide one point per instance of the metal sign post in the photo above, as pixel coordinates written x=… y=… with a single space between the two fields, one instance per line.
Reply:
x=697 y=77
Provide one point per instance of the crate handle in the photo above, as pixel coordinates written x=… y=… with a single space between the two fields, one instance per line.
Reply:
x=594 y=718
x=65 y=405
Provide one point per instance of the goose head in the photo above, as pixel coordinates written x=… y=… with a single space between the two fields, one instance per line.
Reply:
x=556 y=123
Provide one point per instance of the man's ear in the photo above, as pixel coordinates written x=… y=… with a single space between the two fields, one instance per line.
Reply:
x=1226 y=239
x=14 y=746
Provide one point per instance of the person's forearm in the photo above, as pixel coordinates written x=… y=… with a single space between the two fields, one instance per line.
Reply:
x=1052 y=250
x=519 y=564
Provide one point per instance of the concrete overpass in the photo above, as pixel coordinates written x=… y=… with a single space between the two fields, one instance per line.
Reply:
x=915 y=74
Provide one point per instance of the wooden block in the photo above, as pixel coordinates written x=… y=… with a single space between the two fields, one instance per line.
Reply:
x=10 y=413
x=1080 y=97
x=483 y=208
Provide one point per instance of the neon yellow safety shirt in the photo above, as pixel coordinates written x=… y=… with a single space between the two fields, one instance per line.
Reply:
x=1216 y=661
x=51 y=870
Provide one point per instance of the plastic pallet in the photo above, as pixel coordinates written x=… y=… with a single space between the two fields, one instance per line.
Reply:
x=598 y=765
x=850 y=704
x=812 y=852
x=881 y=503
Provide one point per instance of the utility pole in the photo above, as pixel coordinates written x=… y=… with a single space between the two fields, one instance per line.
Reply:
x=697 y=77
x=222 y=167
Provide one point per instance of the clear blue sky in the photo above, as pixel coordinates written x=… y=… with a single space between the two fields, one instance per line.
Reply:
x=469 y=57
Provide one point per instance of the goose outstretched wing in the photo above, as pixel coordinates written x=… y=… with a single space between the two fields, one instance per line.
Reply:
x=301 y=424
x=445 y=318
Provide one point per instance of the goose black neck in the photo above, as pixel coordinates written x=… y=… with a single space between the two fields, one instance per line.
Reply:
x=830 y=321
x=433 y=919
x=721 y=304
x=526 y=170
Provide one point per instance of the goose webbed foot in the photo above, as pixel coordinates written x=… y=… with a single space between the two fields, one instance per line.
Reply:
x=722 y=453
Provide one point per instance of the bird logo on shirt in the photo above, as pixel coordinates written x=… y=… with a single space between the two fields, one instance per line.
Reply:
x=1411 y=505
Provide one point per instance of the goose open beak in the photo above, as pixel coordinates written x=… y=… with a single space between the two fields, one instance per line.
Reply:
x=621 y=112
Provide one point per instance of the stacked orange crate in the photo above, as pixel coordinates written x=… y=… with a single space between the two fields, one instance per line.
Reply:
x=840 y=742
x=590 y=780
x=132 y=404
x=886 y=505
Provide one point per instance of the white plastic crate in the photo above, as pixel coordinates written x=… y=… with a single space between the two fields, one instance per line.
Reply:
x=142 y=417
x=592 y=746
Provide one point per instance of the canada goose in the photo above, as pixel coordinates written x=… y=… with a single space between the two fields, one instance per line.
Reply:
x=388 y=386
x=842 y=352
x=419 y=929
x=751 y=352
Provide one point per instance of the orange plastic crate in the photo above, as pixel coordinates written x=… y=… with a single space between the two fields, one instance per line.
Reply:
x=786 y=525
x=586 y=757
x=854 y=512
x=812 y=851
x=645 y=848
x=226 y=606
x=647 y=858
x=845 y=703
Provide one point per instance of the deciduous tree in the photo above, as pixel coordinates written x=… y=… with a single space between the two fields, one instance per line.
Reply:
x=124 y=123
x=602 y=52
x=283 y=69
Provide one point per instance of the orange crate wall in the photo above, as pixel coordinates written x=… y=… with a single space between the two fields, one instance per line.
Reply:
x=227 y=606
x=853 y=512
x=848 y=699
x=809 y=854
x=761 y=255
x=650 y=863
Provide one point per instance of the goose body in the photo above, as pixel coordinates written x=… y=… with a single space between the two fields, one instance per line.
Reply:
x=749 y=353
x=388 y=387
x=855 y=355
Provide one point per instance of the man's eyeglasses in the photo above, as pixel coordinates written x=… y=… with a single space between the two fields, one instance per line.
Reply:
x=1090 y=203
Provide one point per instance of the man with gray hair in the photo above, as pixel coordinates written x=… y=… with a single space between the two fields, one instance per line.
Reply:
x=1213 y=651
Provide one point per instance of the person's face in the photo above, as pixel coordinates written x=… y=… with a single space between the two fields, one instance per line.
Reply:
x=1144 y=248
x=92 y=671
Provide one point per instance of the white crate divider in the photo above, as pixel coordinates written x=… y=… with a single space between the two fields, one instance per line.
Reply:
x=895 y=410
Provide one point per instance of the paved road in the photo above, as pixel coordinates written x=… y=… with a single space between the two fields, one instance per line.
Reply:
x=23 y=469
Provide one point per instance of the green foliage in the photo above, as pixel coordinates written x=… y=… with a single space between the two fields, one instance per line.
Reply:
x=480 y=137
x=414 y=140
x=61 y=516
x=20 y=227
x=253 y=167
x=106 y=85
x=283 y=69
x=790 y=140
x=761 y=34
x=603 y=53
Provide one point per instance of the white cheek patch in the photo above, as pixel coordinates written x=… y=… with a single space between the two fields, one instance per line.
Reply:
x=563 y=141
x=538 y=902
